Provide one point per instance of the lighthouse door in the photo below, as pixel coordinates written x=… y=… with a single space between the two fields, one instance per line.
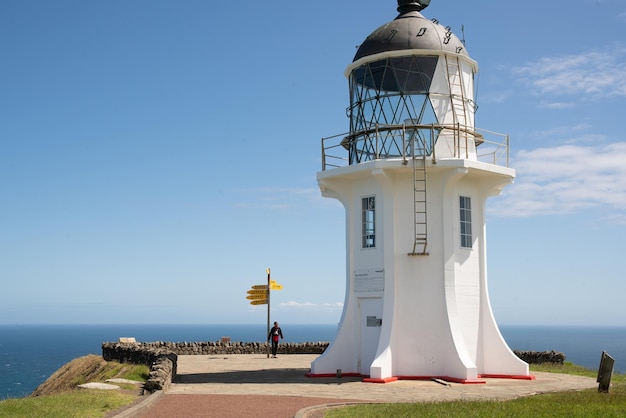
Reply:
x=370 y=314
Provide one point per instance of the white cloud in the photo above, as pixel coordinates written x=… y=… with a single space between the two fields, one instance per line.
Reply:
x=593 y=74
x=556 y=105
x=566 y=179
x=294 y=304
x=333 y=305
x=571 y=133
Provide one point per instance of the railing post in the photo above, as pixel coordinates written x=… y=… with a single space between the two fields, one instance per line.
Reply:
x=376 y=154
x=507 y=151
x=404 y=144
x=432 y=139
x=466 y=143
x=323 y=156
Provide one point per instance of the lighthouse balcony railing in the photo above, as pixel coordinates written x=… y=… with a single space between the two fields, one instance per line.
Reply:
x=410 y=141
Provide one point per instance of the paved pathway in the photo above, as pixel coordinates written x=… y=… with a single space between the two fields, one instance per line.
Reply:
x=253 y=385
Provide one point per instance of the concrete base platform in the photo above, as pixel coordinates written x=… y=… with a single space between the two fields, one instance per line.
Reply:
x=284 y=379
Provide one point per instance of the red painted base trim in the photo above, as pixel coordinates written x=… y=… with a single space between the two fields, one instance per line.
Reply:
x=508 y=376
x=375 y=380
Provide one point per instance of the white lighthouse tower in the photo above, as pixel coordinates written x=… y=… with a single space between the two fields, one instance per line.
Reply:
x=414 y=175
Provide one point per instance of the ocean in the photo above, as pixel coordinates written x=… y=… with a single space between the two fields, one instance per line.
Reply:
x=29 y=354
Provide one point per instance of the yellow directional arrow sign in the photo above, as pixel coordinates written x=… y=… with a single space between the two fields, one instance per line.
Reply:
x=275 y=286
x=259 y=293
x=259 y=302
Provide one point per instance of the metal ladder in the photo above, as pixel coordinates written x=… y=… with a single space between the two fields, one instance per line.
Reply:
x=458 y=103
x=419 y=195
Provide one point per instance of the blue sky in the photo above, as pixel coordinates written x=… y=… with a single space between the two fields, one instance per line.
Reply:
x=157 y=156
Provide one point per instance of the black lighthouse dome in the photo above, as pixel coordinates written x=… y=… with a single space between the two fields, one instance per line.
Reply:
x=411 y=31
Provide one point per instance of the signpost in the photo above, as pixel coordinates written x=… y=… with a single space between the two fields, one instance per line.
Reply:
x=259 y=302
x=259 y=294
x=255 y=292
x=275 y=286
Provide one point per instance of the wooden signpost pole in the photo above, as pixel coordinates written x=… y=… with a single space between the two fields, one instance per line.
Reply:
x=268 y=310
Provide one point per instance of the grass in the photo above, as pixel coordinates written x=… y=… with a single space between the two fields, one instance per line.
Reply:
x=586 y=403
x=59 y=396
x=113 y=370
x=90 y=403
x=569 y=368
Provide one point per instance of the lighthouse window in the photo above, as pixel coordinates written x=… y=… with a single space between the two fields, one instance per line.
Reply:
x=466 y=221
x=368 y=209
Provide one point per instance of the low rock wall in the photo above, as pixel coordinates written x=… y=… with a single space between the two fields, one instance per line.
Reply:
x=541 y=357
x=161 y=375
x=218 y=347
x=162 y=361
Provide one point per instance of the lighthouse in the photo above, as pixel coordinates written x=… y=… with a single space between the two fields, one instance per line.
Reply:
x=413 y=175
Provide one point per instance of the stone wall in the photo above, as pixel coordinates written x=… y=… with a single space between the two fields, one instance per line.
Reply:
x=147 y=353
x=161 y=375
x=161 y=361
x=218 y=347
x=541 y=357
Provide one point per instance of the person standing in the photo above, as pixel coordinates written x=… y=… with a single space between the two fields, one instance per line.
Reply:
x=274 y=334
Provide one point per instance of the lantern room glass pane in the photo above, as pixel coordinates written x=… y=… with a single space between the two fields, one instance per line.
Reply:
x=407 y=74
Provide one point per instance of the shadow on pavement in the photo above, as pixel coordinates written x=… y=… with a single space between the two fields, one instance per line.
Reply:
x=264 y=376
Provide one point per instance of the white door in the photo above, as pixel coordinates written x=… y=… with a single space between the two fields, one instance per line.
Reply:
x=370 y=314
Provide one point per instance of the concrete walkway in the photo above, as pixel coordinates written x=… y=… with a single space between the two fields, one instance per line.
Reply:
x=203 y=382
